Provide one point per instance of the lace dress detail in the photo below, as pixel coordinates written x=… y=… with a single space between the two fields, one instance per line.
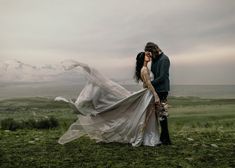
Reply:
x=145 y=76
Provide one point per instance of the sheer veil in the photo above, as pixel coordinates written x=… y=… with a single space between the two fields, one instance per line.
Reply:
x=108 y=112
x=98 y=88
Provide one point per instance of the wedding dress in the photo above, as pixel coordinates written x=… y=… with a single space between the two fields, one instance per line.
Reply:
x=107 y=112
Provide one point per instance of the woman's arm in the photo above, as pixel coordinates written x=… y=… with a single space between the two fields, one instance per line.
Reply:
x=146 y=79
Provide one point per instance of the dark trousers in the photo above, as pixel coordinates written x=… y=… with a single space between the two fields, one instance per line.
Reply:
x=164 y=137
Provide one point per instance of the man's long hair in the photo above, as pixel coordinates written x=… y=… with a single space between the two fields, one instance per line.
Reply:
x=153 y=48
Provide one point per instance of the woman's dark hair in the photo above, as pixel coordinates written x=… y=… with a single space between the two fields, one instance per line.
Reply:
x=139 y=65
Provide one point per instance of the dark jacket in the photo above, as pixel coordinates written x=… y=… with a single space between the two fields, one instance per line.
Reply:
x=160 y=68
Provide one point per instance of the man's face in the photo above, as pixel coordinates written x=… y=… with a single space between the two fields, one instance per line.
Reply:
x=154 y=56
x=153 y=51
x=156 y=52
x=148 y=53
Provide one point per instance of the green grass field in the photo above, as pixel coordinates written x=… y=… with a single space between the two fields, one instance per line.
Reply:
x=202 y=132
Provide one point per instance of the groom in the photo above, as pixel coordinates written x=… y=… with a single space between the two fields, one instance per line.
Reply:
x=160 y=68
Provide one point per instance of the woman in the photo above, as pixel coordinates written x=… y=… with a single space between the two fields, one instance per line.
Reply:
x=108 y=112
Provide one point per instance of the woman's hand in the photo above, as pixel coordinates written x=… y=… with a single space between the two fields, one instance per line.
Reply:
x=157 y=101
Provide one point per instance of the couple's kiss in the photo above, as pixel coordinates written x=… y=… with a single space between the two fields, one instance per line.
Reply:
x=107 y=112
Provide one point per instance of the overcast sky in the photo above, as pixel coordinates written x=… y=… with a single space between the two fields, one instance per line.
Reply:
x=198 y=36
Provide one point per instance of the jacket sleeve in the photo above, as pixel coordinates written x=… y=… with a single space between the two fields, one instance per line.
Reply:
x=164 y=70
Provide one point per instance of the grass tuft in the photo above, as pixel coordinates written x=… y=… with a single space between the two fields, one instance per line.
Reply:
x=44 y=123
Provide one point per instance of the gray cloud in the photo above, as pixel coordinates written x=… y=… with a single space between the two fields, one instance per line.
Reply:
x=110 y=29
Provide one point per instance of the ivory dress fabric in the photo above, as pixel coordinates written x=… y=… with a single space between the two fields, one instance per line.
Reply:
x=107 y=112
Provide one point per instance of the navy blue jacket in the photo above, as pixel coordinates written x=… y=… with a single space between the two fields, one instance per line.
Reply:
x=160 y=68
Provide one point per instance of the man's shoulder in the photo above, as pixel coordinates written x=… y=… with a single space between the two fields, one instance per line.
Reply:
x=164 y=57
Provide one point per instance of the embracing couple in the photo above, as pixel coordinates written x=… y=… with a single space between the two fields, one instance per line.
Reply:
x=107 y=112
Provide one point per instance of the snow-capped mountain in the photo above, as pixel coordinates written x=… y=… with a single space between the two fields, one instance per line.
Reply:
x=17 y=71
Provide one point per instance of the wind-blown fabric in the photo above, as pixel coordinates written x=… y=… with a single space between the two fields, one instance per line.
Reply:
x=108 y=112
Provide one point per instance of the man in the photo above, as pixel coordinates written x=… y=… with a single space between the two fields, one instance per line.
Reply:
x=160 y=68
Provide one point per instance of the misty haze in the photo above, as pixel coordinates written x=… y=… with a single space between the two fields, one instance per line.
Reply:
x=69 y=95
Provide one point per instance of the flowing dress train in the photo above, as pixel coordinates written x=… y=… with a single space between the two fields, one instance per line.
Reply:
x=107 y=112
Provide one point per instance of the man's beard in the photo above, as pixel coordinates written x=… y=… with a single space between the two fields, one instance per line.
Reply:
x=155 y=55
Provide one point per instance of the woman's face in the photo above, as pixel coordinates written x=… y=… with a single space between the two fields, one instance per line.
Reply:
x=147 y=57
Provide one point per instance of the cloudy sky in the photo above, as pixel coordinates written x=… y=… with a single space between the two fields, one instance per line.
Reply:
x=198 y=36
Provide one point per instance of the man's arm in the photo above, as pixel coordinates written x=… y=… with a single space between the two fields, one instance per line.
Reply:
x=164 y=70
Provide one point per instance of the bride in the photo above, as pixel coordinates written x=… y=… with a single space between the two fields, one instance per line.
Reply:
x=107 y=112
